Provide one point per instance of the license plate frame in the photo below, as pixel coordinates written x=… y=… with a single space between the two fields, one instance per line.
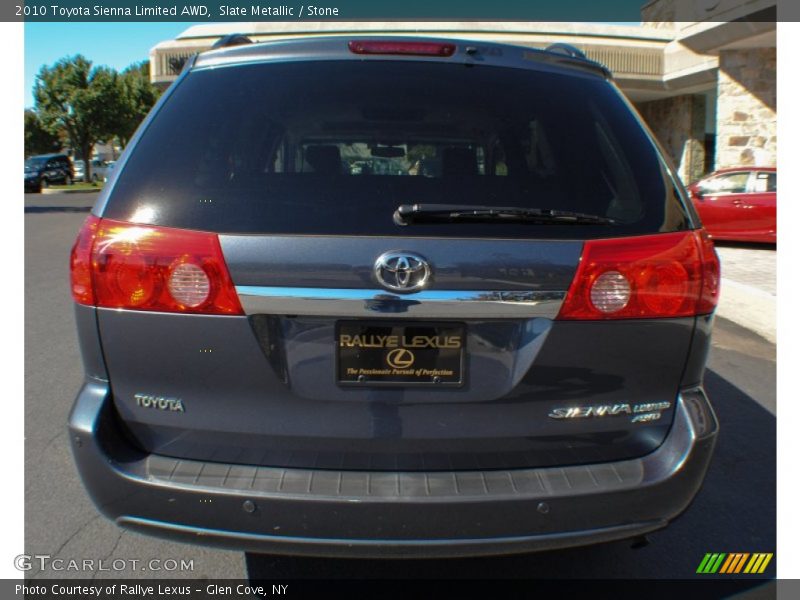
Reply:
x=376 y=360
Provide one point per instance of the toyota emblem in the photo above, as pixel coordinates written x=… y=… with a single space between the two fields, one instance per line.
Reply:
x=402 y=271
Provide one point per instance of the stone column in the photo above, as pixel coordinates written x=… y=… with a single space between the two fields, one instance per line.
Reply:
x=746 y=108
x=679 y=124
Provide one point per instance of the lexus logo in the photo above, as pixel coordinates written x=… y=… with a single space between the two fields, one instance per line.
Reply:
x=402 y=271
x=400 y=358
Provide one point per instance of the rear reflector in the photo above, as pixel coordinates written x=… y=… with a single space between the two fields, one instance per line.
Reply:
x=711 y=274
x=80 y=262
x=664 y=275
x=400 y=47
x=141 y=267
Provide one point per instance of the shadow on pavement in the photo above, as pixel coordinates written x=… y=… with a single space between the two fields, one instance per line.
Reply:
x=746 y=245
x=733 y=512
x=57 y=209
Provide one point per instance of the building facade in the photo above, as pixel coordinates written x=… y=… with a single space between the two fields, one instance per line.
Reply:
x=702 y=74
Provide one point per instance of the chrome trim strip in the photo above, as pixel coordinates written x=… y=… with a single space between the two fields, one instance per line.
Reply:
x=428 y=304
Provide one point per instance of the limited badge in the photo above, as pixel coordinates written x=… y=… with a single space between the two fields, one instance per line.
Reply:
x=639 y=413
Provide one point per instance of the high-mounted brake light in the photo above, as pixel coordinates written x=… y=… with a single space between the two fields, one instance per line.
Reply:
x=664 y=275
x=142 y=267
x=401 y=47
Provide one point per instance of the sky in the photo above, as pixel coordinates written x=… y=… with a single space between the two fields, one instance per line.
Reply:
x=115 y=45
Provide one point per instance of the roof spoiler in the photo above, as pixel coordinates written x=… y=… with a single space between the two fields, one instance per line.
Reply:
x=571 y=52
x=232 y=39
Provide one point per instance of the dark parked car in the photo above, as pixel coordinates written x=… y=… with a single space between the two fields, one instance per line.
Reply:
x=738 y=204
x=499 y=351
x=46 y=169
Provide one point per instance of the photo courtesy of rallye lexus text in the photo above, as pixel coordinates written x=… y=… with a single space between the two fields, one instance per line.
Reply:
x=393 y=297
x=112 y=589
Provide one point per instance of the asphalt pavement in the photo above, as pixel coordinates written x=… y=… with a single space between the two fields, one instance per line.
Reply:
x=734 y=511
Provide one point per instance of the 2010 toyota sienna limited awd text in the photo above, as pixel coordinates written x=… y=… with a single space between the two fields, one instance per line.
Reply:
x=393 y=297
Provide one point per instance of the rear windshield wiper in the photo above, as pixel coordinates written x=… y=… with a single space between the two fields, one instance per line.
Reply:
x=409 y=213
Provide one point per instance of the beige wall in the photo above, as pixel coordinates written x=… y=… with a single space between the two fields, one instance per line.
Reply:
x=746 y=126
x=746 y=109
x=679 y=124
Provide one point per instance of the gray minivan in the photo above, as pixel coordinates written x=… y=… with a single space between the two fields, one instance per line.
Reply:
x=395 y=296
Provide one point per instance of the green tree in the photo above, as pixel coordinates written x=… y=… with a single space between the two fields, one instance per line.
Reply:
x=138 y=97
x=38 y=140
x=84 y=102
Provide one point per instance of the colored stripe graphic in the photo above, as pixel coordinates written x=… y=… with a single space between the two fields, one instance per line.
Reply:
x=711 y=563
x=733 y=563
x=728 y=562
x=726 y=565
x=759 y=562
x=741 y=562
x=703 y=563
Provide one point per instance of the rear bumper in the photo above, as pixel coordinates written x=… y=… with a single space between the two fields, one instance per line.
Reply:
x=388 y=514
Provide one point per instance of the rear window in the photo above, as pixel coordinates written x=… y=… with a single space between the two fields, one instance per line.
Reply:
x=333 y=147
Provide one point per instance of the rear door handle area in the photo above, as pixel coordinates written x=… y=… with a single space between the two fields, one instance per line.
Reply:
x=427 y=304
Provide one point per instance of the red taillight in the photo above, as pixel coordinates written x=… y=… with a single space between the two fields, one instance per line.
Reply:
x=141 y=267
x=80 y=262
x=400 y=47
x=664 y=275
x=711 y=274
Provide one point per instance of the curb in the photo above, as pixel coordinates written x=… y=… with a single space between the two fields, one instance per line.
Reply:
x=51 y=191
x=750 y=307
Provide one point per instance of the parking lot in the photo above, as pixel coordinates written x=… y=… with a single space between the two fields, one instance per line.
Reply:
x=735 y=510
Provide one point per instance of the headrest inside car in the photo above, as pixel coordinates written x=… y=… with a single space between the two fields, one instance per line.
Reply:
x=324 y=159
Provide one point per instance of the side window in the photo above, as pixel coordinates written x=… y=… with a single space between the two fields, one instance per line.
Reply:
x=727 y=183
x=765 y=181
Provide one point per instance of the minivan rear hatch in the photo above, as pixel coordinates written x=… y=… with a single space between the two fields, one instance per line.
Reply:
x=338 y=358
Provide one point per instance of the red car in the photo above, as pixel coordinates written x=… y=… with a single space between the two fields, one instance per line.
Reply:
x=738 y=203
